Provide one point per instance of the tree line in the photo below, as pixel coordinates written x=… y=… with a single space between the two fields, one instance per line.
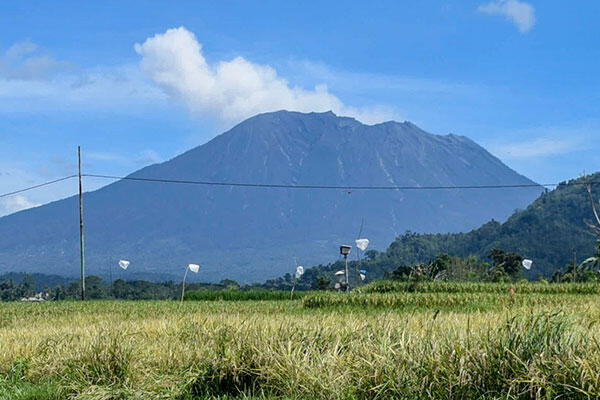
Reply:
x=15 y=287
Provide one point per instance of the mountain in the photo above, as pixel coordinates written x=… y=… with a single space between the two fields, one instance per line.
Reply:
x=550 y=231
x=251 y=234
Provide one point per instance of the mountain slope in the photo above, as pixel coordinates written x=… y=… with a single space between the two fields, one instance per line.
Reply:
x=254 y=233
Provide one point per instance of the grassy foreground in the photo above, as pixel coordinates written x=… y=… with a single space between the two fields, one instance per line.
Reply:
x=544 y=348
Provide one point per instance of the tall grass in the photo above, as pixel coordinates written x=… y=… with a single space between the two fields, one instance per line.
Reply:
x=163 y=350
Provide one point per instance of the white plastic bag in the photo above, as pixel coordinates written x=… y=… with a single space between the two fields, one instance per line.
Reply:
x=362 y=244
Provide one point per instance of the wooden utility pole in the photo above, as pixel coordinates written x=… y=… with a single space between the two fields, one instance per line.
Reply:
x=81 y=243
x=347 y=277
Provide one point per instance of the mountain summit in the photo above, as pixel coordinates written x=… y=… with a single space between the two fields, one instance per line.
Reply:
x=252 y=233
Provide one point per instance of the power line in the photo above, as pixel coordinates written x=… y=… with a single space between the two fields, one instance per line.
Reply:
x=284 y=186
x=37 y=186
x=333 y=187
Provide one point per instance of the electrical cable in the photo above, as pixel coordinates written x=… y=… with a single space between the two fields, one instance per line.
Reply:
x=37 y=186
x=284 y=186
x=334 y=187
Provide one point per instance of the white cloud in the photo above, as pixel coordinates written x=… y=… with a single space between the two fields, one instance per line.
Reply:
x=16 y=175
x=119 y=89
x=144 y=157
x=362 y=81
x=103 y=156
x=16 y=203
x=32 y=81
x=232 y=90
x=173 y=67
x=520 y=13
x=549 y=153
x=148 y=156
x=540 y=147
x=24 y=61
x=545 y=141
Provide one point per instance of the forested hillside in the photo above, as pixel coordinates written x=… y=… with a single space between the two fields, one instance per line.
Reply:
x=551 y=231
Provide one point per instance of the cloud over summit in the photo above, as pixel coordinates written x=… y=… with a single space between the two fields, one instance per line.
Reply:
x=231 y=90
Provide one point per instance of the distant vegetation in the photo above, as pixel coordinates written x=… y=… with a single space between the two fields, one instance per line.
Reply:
x=25 y=285
x=14 y=287
x=442 y=274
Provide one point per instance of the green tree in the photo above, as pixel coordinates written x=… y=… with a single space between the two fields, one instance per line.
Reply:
x=28 y=286
x=120 y=289
x=230 y=284
x=508 y=263
x=401 y=273
x=8 y=291
x=58 y=293
x=74 y=290
x=94 y=287
x=322 y=283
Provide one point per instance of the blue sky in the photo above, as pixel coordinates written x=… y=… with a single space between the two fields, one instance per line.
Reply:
x=138 y=82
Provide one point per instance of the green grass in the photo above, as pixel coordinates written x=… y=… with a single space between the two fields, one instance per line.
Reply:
x=13 y=386
x=446 y=345
x=29 y=391
x=242 y=295
x=480 y=287
x=465 y=302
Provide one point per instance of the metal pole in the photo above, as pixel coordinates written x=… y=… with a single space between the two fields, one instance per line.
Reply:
x=293 y=287
x=574 y=265
x=81 y=243
x=112 y=286
x=358 y=280
x=183 y=283
x=347 y=280
x=294 y=283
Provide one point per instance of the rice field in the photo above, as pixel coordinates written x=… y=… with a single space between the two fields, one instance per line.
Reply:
x=418 y=345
